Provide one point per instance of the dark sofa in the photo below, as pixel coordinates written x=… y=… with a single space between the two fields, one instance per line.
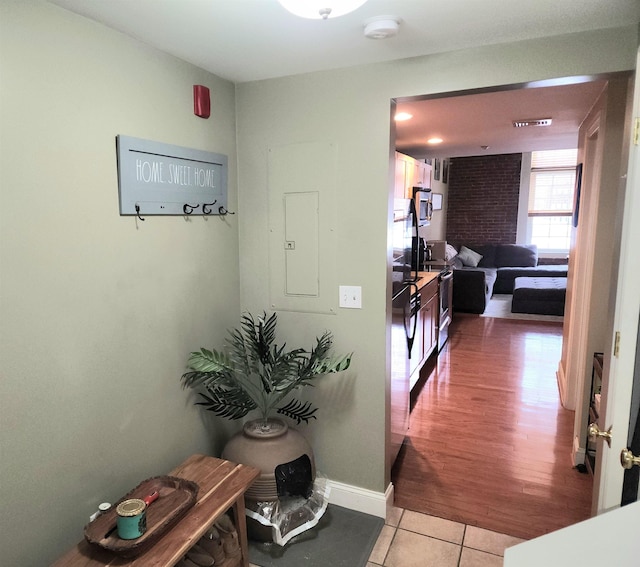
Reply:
x=495 y=272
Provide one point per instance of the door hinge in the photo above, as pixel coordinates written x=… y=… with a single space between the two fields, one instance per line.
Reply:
x=636 y=130
x=616 y=344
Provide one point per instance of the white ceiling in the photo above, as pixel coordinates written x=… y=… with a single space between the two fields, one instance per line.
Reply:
x=466 y=123
x=247 y=40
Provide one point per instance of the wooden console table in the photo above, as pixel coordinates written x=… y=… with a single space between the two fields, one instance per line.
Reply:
x=222 y=486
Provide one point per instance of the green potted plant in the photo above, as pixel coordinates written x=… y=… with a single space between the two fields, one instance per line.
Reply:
x=257 y=374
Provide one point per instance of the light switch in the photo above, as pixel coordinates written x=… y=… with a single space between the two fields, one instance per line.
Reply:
x=351 y=296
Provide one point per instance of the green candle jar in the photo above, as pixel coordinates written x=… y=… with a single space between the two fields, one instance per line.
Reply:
x=132 y=518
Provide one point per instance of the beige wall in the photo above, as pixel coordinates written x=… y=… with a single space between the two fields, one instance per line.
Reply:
x=351 y=108
x=98 y=312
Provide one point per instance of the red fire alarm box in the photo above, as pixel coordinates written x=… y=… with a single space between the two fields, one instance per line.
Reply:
x=201 y=101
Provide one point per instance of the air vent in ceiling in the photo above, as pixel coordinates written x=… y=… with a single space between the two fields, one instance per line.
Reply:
x=532 y=122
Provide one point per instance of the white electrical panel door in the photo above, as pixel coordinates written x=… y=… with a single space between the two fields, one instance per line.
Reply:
x=301 y=243
x=302 y=227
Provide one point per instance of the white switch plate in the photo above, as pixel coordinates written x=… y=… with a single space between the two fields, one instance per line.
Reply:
x=351 y=296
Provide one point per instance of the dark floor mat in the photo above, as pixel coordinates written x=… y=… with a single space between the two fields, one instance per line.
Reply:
x=342 y=537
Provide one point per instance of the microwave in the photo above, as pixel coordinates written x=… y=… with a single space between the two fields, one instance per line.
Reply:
x=424 y=205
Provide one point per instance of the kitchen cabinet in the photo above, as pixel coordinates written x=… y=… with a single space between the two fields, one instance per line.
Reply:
x=426 y=337
x=410 y=173
x=401 y=177
x=422 y=174
x=429 y=312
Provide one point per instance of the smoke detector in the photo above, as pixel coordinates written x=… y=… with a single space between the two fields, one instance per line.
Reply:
x=381 y=27
x=532 y=122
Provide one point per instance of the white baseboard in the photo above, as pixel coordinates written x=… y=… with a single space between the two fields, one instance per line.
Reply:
x=361 y=499
x=578 y=453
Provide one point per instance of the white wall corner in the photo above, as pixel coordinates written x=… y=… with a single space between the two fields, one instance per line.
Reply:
x=389 y=495
x=562 y=387
x=523 y=229
x=579 y=453
x=360 y=499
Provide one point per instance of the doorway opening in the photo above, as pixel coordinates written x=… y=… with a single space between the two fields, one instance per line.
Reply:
x=441 y=109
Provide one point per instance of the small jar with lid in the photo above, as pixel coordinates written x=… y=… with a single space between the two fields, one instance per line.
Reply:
x=131 y=518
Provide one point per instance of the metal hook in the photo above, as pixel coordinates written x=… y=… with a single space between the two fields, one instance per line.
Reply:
x=138 y=212
x=222 y=211
x=188 y=209
x=205 y=207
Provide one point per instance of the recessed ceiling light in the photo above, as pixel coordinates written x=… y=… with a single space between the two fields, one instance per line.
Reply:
x=532 y=122
x=401 y=116
x=434 y=141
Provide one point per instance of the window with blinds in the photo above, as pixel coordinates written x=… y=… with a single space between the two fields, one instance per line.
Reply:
x=551 y=188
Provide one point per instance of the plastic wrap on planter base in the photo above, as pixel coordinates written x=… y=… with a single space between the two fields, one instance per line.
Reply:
x=289 y=516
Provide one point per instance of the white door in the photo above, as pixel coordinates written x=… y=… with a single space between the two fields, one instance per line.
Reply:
x=618 y=382
x=607 y=540
x=610 y=538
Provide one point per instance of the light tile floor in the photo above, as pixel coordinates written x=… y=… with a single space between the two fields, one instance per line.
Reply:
x=411 y=539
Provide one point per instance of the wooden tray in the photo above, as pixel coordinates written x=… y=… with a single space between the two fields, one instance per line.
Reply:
x=176 y=497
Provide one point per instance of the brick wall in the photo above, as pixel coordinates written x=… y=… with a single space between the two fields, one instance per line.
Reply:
x=483 y=199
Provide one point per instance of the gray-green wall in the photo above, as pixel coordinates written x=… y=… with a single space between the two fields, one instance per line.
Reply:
x=351 y=108
x=98 y=311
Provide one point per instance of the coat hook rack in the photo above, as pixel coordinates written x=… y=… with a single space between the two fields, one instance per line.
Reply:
x=198 y=186
x=206 y=207
x=188 y=209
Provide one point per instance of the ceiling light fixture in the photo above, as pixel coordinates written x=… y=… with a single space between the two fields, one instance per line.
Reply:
x=402 y=116
x=381 y=27
x=321 y=9
x=532 y=122
x=434 y=141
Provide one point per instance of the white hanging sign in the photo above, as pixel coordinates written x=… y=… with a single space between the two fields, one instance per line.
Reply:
x=161 y=179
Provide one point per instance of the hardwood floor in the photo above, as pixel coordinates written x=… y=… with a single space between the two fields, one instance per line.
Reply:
x=489 y=443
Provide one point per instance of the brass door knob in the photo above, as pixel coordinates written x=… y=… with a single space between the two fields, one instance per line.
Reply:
x=628 y=460
x=594 y=432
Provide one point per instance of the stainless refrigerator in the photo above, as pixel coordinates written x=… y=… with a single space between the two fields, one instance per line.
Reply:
x=404 y=302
